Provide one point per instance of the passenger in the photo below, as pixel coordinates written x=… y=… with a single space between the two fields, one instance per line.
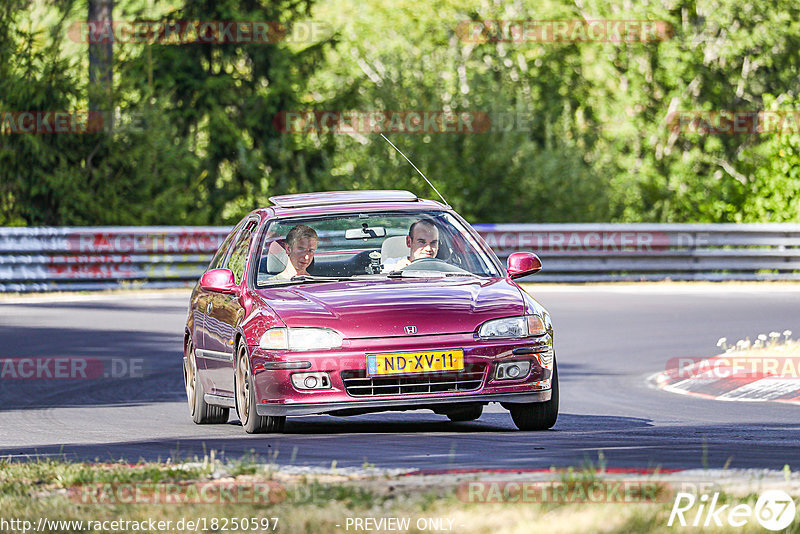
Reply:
x=423 y=242
x=301 y=244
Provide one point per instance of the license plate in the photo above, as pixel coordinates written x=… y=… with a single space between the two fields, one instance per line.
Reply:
x=415 y=362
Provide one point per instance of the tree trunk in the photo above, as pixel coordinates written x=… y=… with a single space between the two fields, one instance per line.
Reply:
x=101 y=48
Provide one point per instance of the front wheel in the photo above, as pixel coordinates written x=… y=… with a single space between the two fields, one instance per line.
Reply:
x=538 y=415
x=246 y=399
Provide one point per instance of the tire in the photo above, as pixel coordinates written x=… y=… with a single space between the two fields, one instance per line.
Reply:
x=246 y=399
x=538 y=415
x=469 y=412
x=202 y=413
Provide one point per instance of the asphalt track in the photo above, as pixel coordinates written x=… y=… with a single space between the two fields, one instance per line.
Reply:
x=609 y=339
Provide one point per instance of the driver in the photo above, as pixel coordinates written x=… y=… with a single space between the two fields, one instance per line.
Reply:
x=301 y=244
x=422 y=240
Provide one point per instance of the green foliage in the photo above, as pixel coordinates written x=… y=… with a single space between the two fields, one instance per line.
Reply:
x=774 y=191
x=192 y=141
x=531 y=164
x=596 y=143
x=580 y=131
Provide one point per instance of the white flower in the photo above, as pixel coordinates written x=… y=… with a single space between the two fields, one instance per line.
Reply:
x=762 y=337
x=721 y=341
x=774 y=335
x=787 y=333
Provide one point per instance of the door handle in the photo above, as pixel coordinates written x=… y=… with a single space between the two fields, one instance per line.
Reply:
x=209 y=308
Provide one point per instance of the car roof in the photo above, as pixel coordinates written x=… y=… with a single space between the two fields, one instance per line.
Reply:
x=328 y=198
x=347 y=201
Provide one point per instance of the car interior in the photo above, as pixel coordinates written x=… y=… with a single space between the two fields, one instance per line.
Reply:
x=342 y=263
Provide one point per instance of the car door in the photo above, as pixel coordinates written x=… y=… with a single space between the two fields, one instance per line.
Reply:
x=223 y=314
x=203 y=297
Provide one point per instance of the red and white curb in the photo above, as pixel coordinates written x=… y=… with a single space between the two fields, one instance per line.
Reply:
x=728 y=377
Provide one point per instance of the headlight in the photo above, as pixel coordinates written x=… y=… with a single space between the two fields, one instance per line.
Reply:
x=300 y=339
x=513 y=327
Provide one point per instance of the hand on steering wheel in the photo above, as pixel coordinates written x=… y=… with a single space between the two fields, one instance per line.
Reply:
x=417 y=261
x=434 y=264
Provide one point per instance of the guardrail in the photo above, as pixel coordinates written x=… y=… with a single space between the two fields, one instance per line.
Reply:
x=639 y=252
x=87 y=258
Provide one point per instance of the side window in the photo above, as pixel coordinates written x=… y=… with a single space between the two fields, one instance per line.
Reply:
x=216 y=262
x=238 y=259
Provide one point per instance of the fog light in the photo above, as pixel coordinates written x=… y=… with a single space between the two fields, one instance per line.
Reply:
x=512 y=370
x=311 y=381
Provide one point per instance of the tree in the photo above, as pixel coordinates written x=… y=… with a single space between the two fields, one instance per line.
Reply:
x=101 y=58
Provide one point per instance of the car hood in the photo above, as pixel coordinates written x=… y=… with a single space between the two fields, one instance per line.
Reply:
x=383 y=308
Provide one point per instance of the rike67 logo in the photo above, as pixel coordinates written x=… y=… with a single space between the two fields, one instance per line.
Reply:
x=774 y=510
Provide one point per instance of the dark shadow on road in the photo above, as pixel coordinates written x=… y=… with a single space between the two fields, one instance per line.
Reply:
x=420 y=441
x=122 y=367
x=120 y=305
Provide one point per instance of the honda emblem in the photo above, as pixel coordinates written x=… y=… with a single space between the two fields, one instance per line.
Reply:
x=411 y=330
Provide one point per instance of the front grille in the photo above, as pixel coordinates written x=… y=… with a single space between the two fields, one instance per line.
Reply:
x=358 y=384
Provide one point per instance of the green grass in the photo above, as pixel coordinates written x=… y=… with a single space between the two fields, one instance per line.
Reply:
x=17 y=478
x=318 y=503
x=318 y=494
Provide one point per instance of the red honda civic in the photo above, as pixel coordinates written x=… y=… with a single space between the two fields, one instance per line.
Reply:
x=354 y=302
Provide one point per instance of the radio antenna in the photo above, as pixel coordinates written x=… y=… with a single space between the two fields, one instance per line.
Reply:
x=416 y=169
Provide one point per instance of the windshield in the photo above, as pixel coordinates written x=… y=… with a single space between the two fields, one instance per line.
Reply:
x=370 y=245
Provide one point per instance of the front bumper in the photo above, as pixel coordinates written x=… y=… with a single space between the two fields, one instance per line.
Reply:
x=277 y=397
x=416 y=403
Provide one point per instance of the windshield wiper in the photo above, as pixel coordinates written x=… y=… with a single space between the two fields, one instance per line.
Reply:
x=307 y=279
x=415 y=274
x=312 y=278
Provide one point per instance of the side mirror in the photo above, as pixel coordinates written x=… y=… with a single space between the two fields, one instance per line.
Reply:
x=219 y=280
x=522 y=264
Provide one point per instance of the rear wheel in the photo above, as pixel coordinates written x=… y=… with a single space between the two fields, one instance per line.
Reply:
x=469 y=412
x=202 y=412
x=538 y=415
x=246 y=399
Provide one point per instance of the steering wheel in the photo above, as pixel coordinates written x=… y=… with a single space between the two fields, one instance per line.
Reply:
x=433 y=264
